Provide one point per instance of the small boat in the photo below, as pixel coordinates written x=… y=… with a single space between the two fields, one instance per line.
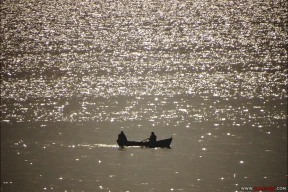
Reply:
x=160 y=143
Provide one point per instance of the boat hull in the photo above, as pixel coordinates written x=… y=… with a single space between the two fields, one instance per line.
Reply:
x=160 y=143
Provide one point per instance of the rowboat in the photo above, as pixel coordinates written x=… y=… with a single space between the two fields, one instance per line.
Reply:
x=160 y=143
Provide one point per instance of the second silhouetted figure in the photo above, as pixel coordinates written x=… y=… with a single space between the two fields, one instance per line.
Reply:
x=152 y=138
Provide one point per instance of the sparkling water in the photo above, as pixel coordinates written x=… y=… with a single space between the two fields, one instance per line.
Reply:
x=211 y=74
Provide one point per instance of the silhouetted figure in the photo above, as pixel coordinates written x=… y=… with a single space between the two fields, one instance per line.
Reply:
x=122 y=139
x=152 y=139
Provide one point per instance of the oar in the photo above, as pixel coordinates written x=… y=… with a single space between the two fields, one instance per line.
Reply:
x=144 y=140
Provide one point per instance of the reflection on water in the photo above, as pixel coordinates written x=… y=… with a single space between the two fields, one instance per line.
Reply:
x=72 y=61
x=60 y=58
x=158 y=111
x=211 y=74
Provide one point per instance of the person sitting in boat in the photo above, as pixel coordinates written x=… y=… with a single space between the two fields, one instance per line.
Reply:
x=152 y=138
x=122 y=138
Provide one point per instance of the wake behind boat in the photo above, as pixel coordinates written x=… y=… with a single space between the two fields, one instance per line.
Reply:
x=160 y=143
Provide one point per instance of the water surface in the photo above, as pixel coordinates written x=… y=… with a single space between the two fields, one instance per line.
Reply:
x=211 y=74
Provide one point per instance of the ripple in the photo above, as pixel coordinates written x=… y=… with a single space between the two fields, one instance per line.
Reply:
x=56 y=68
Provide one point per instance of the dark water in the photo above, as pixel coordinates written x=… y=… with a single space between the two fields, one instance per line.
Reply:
x=212 y=74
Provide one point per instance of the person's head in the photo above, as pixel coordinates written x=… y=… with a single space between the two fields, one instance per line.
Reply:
x=152 y=133
x=122 y=132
